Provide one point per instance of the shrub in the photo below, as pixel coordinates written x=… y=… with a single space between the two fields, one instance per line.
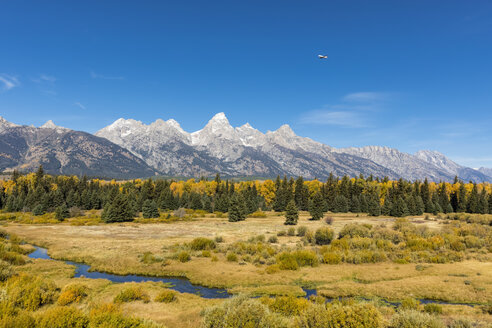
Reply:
x=339 y=316
x=258 y=214
x=306 y=258
x=5 y=271
x=199 y=244
x=179 y=213
x=215 y=259
x=206 y=253
x=287 y=261
x=184 y=256
x=331 y=258
x=355 y=230
x=72 y=294
x=291 y=231
x=464 y=323
x=415 y=319
x=110 y=316
x=273 y=239
x=243 y=312
x=166 y=296
x=231 y=257
x=324 y=236
x=219 y=239
x=286 y=305
x=29 y=292
x=301 y=231
x=329 y=220
x=281 y=233
x=63 y=317
x=21 y=319
x=433 y=308
x=410 y=304
x=131 y=294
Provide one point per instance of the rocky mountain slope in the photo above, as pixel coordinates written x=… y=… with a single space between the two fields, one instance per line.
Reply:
x=245 y=151
x=128 y=149
x=63 y=151
x=241 y=151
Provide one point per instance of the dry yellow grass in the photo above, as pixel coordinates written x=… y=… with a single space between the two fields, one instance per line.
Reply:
x=116 y=248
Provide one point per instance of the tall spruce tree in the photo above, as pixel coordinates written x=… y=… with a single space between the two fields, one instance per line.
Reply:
x=149 y=209
x=237 y=209
x=316 y=206
x=291 y=214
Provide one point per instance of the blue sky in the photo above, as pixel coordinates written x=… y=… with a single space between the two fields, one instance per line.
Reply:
x=405 y=74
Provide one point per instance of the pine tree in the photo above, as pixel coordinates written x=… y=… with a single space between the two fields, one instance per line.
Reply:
x=301 y=194
x=316 y=206
x=292 y=214
x=374 y=206
x=38 y=210
x=419 y=205
x=236 y=210
x=355 y=204
x=61 y=212
x=387 y=206
x=399 y=208
x=472 y=206
x=119 y=210
x=149 y=209
x=340 y=204
x=462 y=199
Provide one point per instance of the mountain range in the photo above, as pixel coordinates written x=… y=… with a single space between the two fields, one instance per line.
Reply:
x=128 y=148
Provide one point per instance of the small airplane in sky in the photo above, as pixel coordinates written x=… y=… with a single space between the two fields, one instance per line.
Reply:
x=322 y=57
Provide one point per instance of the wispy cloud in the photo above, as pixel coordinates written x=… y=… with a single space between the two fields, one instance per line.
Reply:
x=366 y=97
x=351 y=111
x=80 y=105
x=44 y=78
x=8 y=82
x=95 y=75
x=326 y=117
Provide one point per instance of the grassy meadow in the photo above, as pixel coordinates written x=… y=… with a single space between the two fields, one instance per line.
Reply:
x=251 y=257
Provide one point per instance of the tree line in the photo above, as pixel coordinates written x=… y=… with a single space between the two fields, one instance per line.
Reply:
x=122 y=200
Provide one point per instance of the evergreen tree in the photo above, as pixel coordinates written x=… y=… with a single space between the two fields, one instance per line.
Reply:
x=462 y=199
x=119 y=210
x=149 y=209
x=340 y=204
x=387 y=207
x=301 y=194
x=355 y=204
x=61 y=212
x=237 y=209
x=374 y=206
x=316 y=206
x=292 y=214
x=399 y=208
x=483 y=204
x=419 y=205
x=38 y=210
x=472 y=205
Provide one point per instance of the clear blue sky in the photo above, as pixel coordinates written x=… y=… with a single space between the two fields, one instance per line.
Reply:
x=405 y=74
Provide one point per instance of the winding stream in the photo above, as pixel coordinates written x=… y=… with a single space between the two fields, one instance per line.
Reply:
x=181 y=285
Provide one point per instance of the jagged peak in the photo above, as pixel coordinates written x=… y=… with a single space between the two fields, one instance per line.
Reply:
x=4 y=122
x=285 y=130
x=49 y=125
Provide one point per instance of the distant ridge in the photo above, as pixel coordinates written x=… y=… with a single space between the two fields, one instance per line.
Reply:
x=245 y=151
x=64 y=151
